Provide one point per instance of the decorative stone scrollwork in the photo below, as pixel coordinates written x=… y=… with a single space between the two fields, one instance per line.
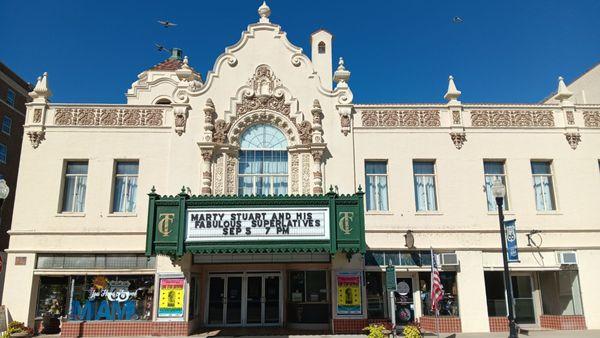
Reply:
x=295 y=173
x=221 y=130
x=591 y=119
x=181 y=115
x=36 y=137
x=219 y=174
x=459 y=139
x=37 y=115
x=512 y=118
x=345 y=122
x=305 y=131
x=306 y=173
x=570 y=117
x=573 y=139
x=401 y=118
x=109 y=117
x=231 y=172
x=264 y=93
x=456 y=117
x=285 y=124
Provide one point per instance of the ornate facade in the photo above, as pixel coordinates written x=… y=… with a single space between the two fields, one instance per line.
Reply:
x=194 y=172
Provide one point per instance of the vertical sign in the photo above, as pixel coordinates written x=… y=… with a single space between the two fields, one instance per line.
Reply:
x=512 y=251
x=170 y=303
x=348 y=293
x=390 y=278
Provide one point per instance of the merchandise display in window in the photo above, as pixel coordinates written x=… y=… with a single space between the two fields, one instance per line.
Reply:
x=449 y=304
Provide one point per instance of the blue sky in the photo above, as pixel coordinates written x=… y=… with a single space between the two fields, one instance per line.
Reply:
x=398 y=51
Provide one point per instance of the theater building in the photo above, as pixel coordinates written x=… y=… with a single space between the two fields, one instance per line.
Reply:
x=261 y=195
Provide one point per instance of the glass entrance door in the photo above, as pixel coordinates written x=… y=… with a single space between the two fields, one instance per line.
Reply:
x=523 y=295
x=244 y=299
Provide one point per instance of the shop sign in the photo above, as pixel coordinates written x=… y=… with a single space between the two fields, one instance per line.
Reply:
x=107 y=300
x=348 y=293
x=257 y=224
x=512 y=250
x=390 y=278
x=170 y=302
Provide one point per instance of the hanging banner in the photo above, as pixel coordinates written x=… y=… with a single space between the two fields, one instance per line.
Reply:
x=390 y=277
x=512 y=250
x=170 y=302
x=348 y=293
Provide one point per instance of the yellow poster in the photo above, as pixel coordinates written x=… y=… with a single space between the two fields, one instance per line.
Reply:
x=348 y=294
x=170 y=302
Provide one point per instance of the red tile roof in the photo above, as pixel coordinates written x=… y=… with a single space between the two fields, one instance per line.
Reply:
x=168 y=64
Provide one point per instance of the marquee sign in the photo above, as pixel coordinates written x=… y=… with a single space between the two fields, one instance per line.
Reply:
x=183 y=224
x=257 y=224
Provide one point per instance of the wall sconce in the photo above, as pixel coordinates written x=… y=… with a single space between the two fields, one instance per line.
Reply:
x=409 y=239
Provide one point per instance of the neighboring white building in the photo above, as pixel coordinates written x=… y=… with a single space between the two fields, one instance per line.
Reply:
x=100 y=190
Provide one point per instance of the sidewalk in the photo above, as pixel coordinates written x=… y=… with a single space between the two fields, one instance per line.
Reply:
x=535 y=334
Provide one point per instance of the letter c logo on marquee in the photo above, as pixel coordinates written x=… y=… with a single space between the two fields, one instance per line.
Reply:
x=344 y=223
x=164 y=224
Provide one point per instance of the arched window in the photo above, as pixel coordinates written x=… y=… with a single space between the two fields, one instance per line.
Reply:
x=163 y=101
x=321 y=47
x=263 y=161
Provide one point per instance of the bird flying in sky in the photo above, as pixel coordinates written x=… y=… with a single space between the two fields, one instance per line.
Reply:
x=457 y=19
x=166 y=24
x=161 y=48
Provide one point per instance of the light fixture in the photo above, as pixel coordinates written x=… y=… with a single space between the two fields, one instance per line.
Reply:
x=498 y=189
x=409 y=239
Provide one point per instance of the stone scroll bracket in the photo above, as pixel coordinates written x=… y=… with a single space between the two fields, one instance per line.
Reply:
x=458 y=138
x=180 y=112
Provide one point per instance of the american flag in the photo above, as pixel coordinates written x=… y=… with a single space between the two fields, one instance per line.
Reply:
x=437 y=289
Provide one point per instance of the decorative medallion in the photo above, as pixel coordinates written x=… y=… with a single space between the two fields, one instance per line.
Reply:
x=591 y=119
x=37 y=115
x=36 y=137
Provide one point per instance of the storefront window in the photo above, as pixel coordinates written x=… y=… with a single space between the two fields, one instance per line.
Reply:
x=449 y=304
x=52 y=297
x=111 y=297
x=375 y=295
x=560 y=293
x=494 y=291
x=307 y=297
x=399 y=258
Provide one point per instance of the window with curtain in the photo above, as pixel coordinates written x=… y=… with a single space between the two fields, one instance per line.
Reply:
x=494 y=170
x=424 y=177
x=10 y=97
x=126 y=184
x=543 y=185
x=263 y=162
x=376 y=182
x=74 y=186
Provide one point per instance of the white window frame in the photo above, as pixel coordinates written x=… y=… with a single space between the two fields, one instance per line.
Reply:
x=550 y=164
x=77 y=178
x=4 y=119
x=377 y=177
x=270 y=176
x=127 y=178
x=506 y=205
x=435 y=186
x=10 y=99
x=5 y=151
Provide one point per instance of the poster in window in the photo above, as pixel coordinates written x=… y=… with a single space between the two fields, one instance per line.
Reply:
x=349 y=300
x=170 y=302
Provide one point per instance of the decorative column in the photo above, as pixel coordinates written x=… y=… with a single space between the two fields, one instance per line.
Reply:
x=209 y=118
x=341 y=77
x=36 y=111
x=563 y=95
x=457 y=130
x=317 y=174
x=317 y=128
x=207 y=172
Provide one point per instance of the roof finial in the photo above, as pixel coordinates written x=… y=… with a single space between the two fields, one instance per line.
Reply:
x=264 y=11
x=341 y=75
x=562 y=93
x=453 y=93
x=185 y=72
x=41 y=90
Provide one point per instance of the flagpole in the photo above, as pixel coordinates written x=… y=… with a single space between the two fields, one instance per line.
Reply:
x=437 y=312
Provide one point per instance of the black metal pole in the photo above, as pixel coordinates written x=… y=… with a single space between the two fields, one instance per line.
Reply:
x=512 y=326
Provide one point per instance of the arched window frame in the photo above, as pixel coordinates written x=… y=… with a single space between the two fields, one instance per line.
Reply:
x=263 y=161
x=321 y=47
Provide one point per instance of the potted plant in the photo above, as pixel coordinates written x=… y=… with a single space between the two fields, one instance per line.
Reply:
x=17 y=329
x=377 y=331
x=412 y=330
